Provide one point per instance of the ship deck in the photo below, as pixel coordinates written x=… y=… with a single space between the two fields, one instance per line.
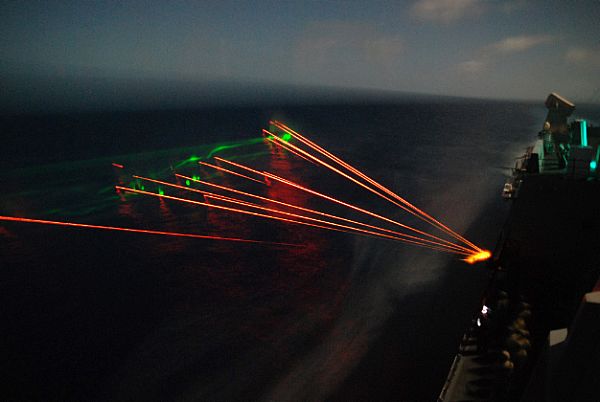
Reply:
x=548 y=257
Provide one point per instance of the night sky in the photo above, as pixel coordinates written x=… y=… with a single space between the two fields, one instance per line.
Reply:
x=492 y=49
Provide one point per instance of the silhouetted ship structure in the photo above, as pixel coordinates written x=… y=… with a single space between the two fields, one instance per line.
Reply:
x=536 y=333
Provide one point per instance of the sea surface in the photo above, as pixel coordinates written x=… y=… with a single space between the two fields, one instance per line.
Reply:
x=105 y=315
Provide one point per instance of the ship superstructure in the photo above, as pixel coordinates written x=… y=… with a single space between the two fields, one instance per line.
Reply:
x=536 y=332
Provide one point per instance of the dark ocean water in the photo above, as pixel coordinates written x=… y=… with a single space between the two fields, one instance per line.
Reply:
x=95 y=315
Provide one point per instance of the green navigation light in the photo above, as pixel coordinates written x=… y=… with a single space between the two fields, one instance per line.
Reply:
x=187 y=182
x=583 y=126
x=286 y=137
x=593 y=165
x=161 y=191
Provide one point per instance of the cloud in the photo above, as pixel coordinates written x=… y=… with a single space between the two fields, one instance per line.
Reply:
x=516 y=44
x=445 y=11
x=345 y=53
x=383 y=49
x=583 y=56
x=489 y=54
x=448 y=11
x=472 y=66
x=511 y=6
